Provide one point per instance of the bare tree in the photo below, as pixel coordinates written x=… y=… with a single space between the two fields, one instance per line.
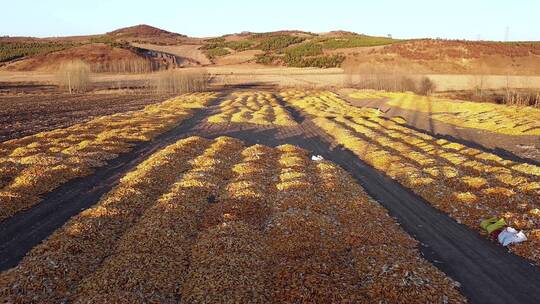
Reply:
x=73 y=76
x=182 y=81
x=426 y=86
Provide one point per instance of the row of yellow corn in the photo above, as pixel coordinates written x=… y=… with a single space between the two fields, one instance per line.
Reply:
x=36 y=164
x=468 y=184
x=211 y=221
x=260 y=108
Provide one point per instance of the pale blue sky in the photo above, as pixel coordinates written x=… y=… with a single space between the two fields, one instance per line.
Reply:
x=456 y=19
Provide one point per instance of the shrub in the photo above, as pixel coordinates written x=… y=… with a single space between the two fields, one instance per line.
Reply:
x=305 y=49
x=266 y=58
x=215 y=40
x=217 y=52
x=136 y=65
x=381 y=80
x=181 y=81
x=407 y=84
x=235 y=45
x=355 y=41
x=522 y=98
x=318 y=61
x=73 y=76
x=239 y=45
x=14 y=50
x=278 y=42
x=110 y=41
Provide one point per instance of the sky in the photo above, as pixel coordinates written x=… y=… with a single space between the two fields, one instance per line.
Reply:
x=515 y=20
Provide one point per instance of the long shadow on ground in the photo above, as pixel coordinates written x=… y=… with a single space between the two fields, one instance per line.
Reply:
x=487 y=272
x=521 y=148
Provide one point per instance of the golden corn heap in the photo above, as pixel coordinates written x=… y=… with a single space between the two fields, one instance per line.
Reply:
x=369 y=94
x=36 y=164
x=261 y=108
x=468 y=184
x=205 y=221
x=325 y=104
x=503 y=119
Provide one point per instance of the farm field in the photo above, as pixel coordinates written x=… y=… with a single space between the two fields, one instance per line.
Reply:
x=253 y=108
x=503 y=119
x=284 y=152
x=218 y=197
x=468 y=184
x=199 y=204
x=505 y=130
x=29 y=114
x=35 y=164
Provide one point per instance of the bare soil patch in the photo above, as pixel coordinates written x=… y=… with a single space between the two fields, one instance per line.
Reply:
x=189 y=51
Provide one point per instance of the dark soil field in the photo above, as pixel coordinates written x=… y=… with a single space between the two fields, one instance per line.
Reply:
x=26 y=114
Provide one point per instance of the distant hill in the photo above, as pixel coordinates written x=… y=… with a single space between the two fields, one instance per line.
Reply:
x=356 y=53
x=447 y=57
x=101 y=58
x=90 y=53
x=142 y=30
x=146 y=33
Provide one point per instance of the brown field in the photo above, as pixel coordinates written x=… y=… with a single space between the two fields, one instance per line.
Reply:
x=291 y=77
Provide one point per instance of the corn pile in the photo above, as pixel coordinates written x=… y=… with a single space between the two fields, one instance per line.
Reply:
x=231 y=257
x=369 y=94
x=261 y=108
x=511 y=120
x=36 y=164
x=504 y=119
x=228 y=265
x=211 y=221
x=468 y=184
x=321 y=217
x=162 y=238
x=53 y=270
x=325 y=104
